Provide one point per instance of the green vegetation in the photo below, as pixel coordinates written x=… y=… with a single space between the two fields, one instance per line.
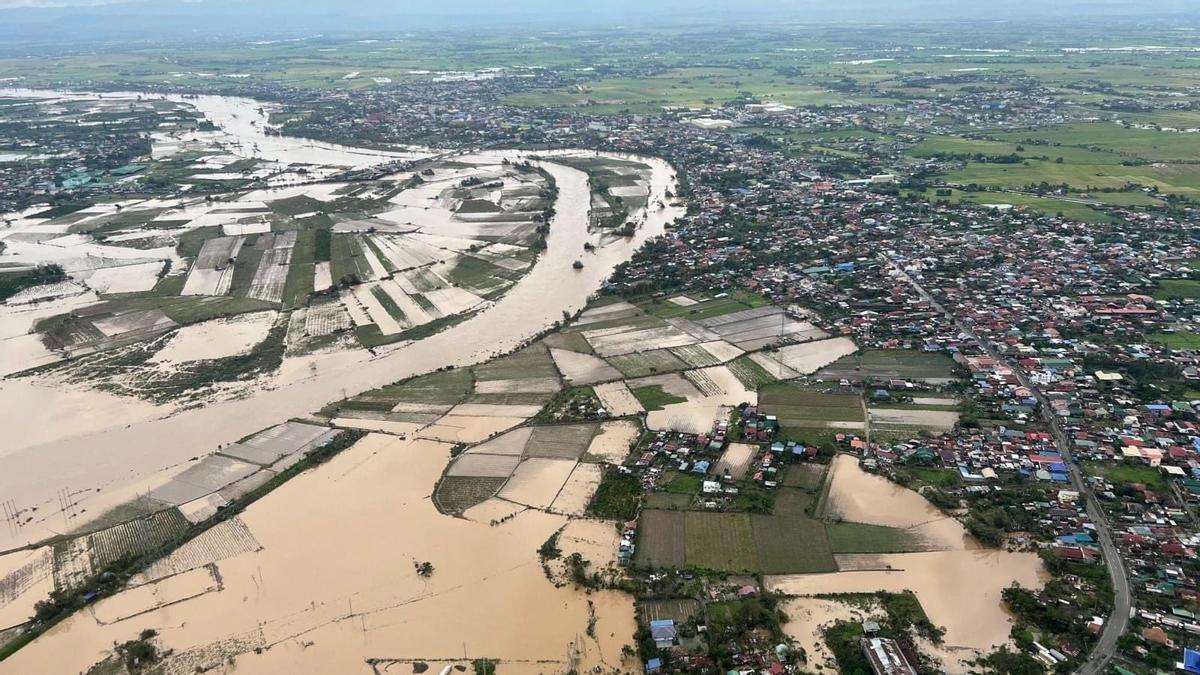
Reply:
x=1128 y=473
x=456 y=494
x=654 y=398
x=707 y=309
x=1176 y=340
x=617 y=496
x=12 y=283
x=862 y=538
x=1187 y=289
x=887 y=364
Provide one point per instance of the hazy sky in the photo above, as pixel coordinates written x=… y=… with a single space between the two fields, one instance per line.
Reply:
x=23 y=21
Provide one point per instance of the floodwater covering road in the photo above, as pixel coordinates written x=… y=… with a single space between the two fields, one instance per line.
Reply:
x=113 y=453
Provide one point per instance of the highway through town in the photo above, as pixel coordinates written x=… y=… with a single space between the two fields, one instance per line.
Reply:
x=1118 y=621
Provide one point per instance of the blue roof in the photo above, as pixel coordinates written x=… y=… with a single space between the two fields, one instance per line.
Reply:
x=1059 y=477
x=654 y=664
x=1191 y=661
x=701 y=466
x=1059 y=467
x=660 y=623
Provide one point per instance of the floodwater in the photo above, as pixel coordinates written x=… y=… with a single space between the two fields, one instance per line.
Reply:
x=858 y=496
x=242 y=125
x=959 y=584
x=359 y=524
x=959 y=590
x=216 y=339
x=807 y=620
x=117 y=444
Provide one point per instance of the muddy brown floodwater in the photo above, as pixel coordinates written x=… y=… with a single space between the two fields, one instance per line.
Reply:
x=116 y=446
x=335 y=584
x=959 y=585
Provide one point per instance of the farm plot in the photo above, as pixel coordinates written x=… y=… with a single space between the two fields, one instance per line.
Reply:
x=755 y=328
x=613 y=442
x=146 y=322
x=809 y=415
x=613 y=311
x=695 y=356
x=406 y=252
x=806 y=358
x=138 y=600
x=912 y=418
x=679 y=611
x=456 y=494
x=267 y=447
x=710 y=393
x=203 y=478
x=136 y=537
x=347 y=259
x=450 y=301
x=736 y=460
x=890 y=364
x=537 y=481
x=474 y=422
x=434 y=393
x=532 y=385
x=132 y=278
x=481 y=465
x=217 y=339
x=326 y=318
x=750 y=373
x=532 y=362
x=569 y=341
x=212 y=271
x=580 y=368
x=617 y=399
x=227 y=539
x=32 y=572
x=662 y=539
x=720 y=541
x=790 y=541
x=626 y=339
x=577 y=492
x=563 y=441
x=272 y=272
x=511 y=443
x=642 y=364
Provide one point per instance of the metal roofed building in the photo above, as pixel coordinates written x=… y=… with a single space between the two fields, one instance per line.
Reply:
x=885 y=657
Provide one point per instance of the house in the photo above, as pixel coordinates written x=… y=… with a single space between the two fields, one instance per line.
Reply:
x=663 y=632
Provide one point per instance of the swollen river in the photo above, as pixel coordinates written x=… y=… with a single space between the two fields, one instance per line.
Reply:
x=109 y=449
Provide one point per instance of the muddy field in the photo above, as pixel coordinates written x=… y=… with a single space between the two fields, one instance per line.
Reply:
x=329 y=617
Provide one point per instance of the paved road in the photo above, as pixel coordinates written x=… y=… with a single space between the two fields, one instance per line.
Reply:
x=1116 y=624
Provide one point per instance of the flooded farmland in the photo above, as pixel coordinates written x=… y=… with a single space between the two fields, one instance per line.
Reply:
x=116 y=442
x=957 y=568
x=339 y=609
